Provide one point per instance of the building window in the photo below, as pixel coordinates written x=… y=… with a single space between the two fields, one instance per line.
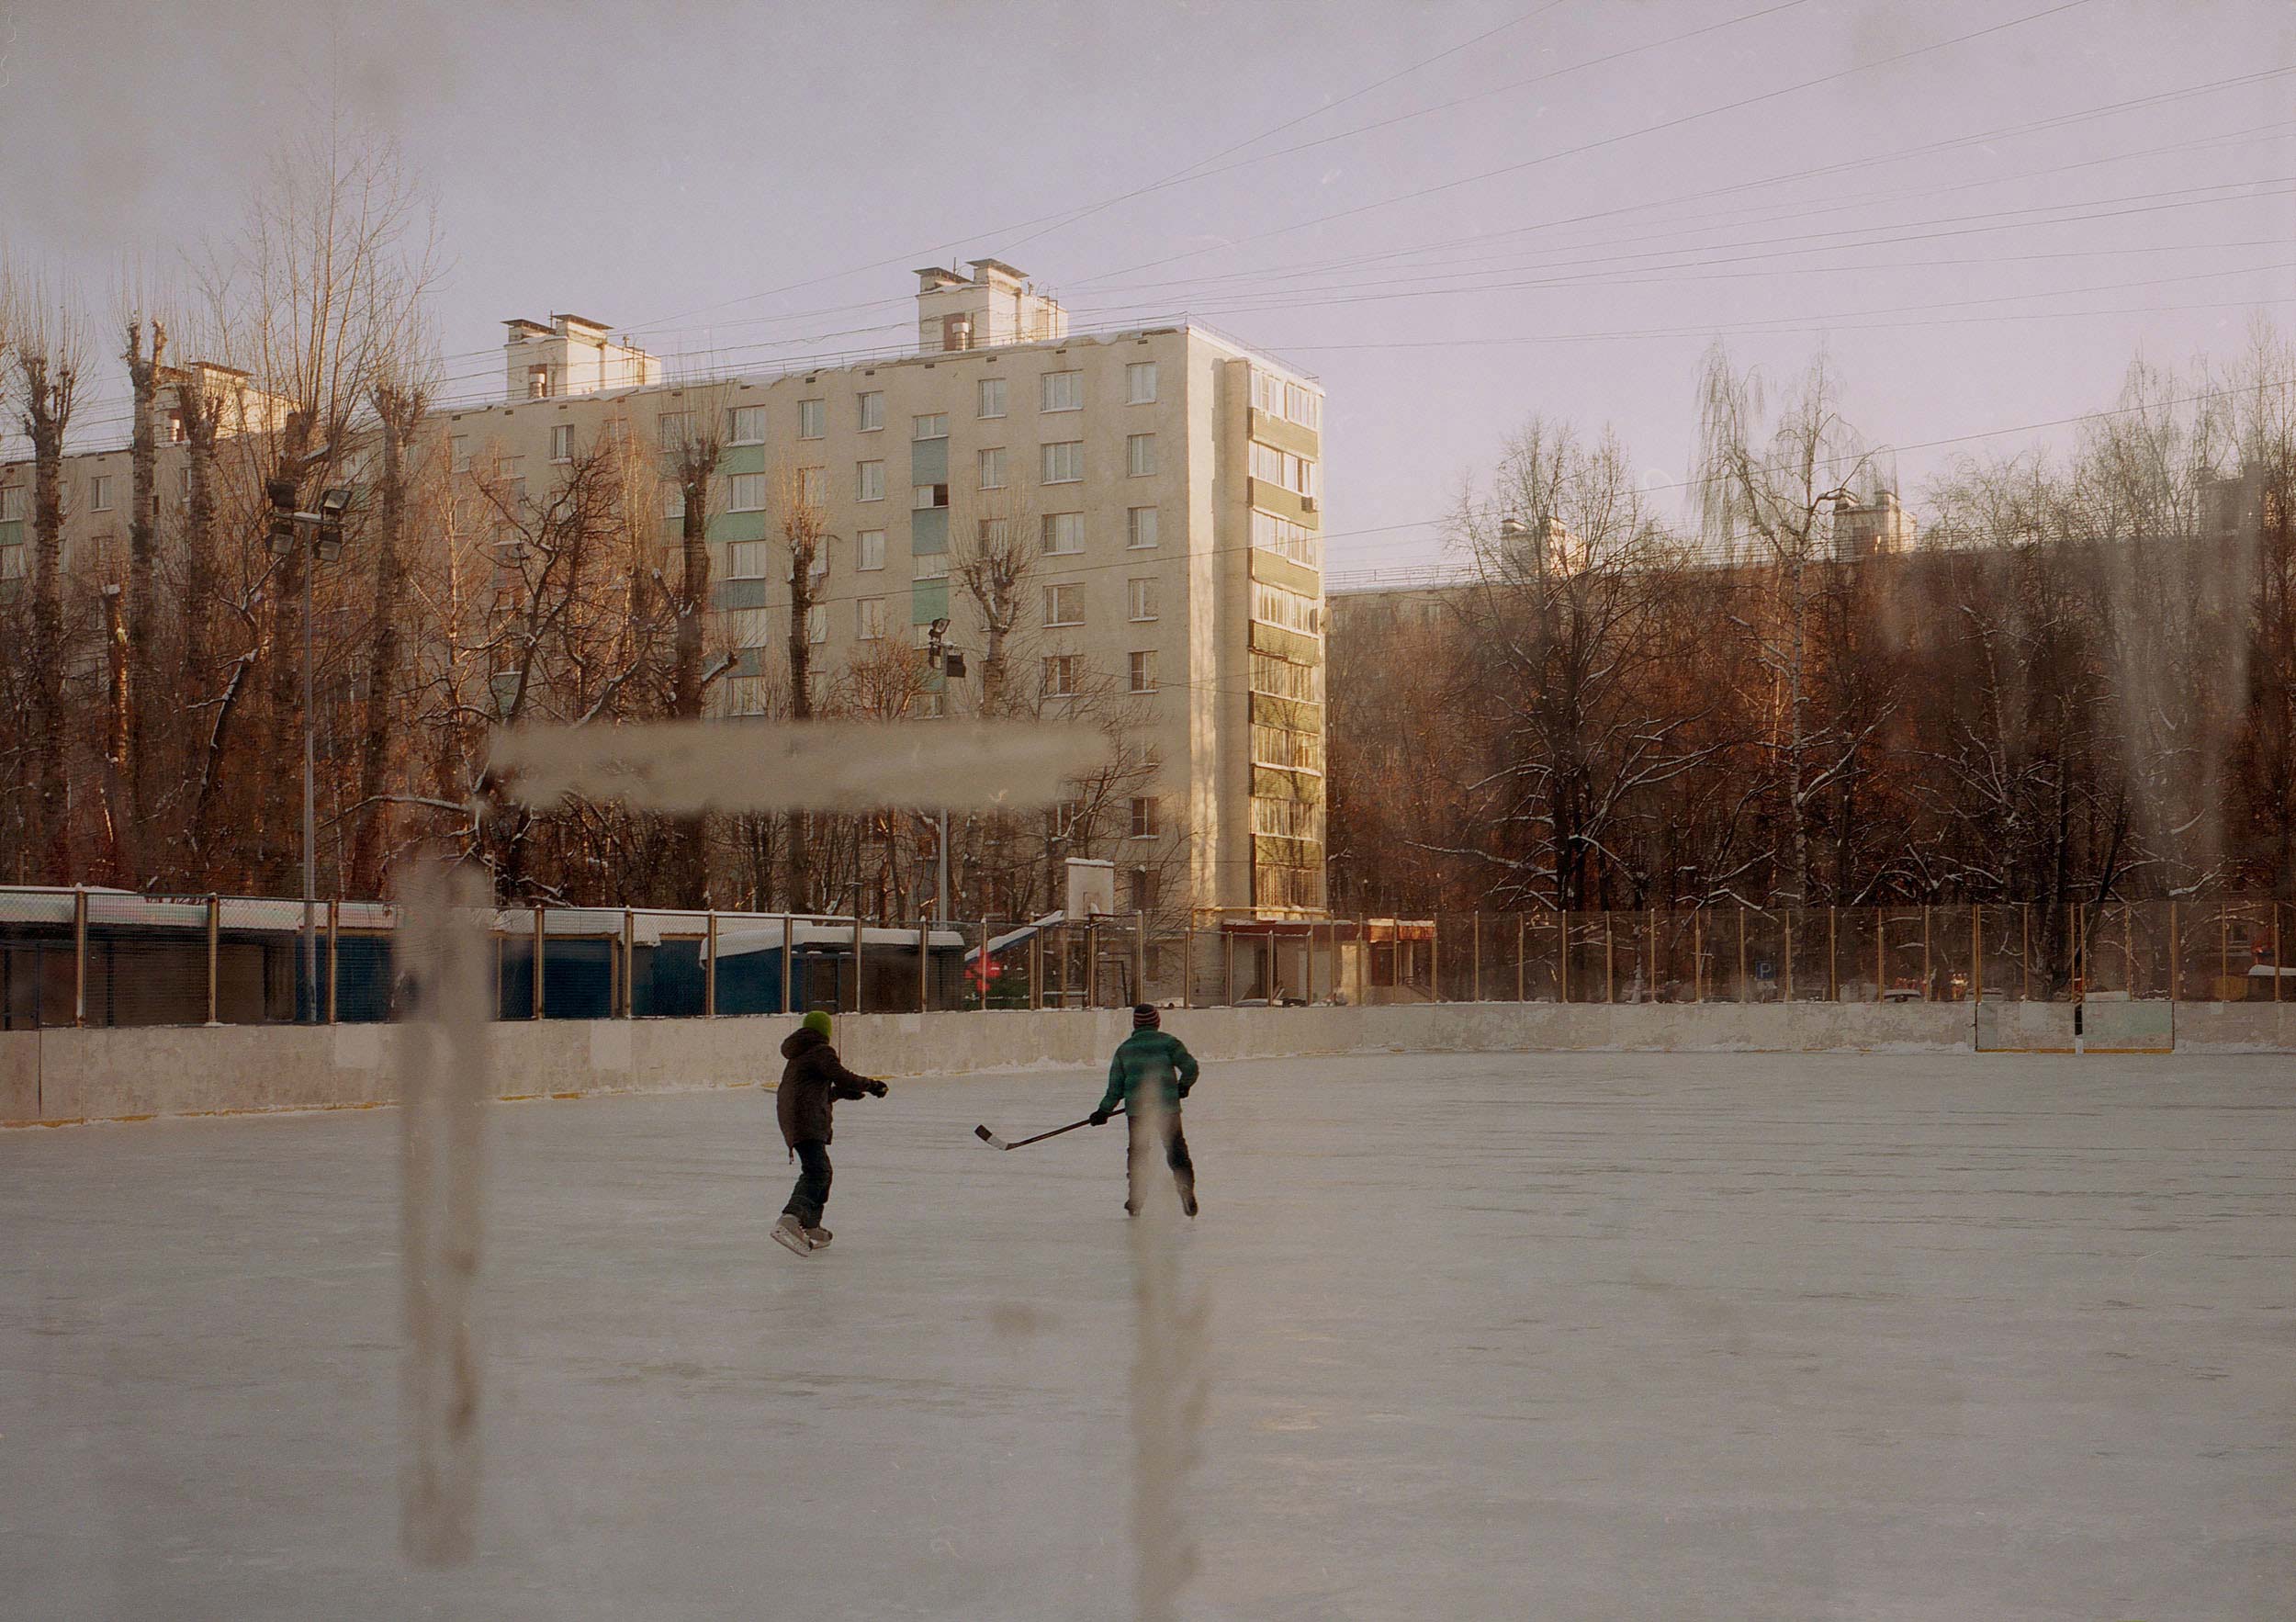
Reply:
x=868 y=549
x=1280 y=678
x=748 y=695
x=175 y=433
x=1144 y=669
x=1294 y=402
x=673 y=429
x=1063 y=534
x=813 y=487
x=1140 y=599
x=992 y=397
x=1064 y=605
x=458 y=447
x=744 y=425
x=1141 y=882
x=869 y=618
x=1060 y=674
x=994 y=535
x=562 y=442
x=993 y=469
x=1297 y=474
x=745 y=560
x=817 y=623
x=813 y=419
x=1293 y=611
x=1286 y=751
x=12 y=562
x=1065 y=462
x=1143 y=817
x=1139 y=383
x=1140 y=455
x=1287 y=539
x=99 y=493
x=12 y=503
x=747 y=493
x=872 y=410
x=1139 y=527
x=871 y=481
x=932 y=566
x=673 y=500
x=1287 y=819
x=1063 y=391
x=538 y=382
x=924 y=498
x=183 y=487
x=935 y=426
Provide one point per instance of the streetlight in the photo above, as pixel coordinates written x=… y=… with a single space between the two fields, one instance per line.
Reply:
x=322 y=530
x=950 y=664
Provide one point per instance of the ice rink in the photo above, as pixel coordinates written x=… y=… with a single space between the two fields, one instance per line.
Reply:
x=1549 y=1336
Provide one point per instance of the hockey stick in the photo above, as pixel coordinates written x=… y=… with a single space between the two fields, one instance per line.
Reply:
x=993 y=1142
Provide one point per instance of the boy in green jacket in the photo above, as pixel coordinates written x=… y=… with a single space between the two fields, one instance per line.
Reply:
x=1150 y=1073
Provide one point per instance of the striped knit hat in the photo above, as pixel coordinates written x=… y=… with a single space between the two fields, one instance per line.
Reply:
x=1145 y=1018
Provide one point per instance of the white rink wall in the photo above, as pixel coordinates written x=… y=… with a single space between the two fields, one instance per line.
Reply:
x=60 y=1076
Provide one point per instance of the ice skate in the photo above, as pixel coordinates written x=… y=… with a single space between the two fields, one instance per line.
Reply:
x=790 y=1234
x=818 y=1236
x=1187 y=1200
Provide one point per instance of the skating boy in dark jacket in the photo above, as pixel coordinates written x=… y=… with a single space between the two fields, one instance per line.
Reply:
x=812 y=1082
x=1150 y=1073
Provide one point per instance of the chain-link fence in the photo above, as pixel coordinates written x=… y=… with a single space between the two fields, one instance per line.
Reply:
x=105 y=957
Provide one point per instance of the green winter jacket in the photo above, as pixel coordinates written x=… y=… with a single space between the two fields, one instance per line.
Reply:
x=1146 y=1056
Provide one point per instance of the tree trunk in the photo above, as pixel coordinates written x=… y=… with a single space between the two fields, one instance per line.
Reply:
x=47 y=413
x=398 y=413
x=142 y=665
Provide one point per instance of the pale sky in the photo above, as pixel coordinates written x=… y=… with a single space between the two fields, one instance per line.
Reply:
x=753 y=183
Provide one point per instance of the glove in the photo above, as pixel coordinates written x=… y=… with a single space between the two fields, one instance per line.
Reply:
x=1099 y=1117
x=877 y=1090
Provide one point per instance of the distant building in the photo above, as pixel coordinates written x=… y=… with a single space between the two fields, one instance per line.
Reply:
x=1168 y=479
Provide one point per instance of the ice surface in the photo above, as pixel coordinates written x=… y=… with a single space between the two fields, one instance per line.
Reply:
x=1498 y=1337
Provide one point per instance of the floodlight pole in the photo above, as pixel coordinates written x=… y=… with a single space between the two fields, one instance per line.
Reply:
x=311 y=822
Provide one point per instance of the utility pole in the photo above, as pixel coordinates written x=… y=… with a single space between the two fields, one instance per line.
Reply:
x=322 y=531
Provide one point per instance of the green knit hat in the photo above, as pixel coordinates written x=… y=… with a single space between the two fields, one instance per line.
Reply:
x=819 y=1019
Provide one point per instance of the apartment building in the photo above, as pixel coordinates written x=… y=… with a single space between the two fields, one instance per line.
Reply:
x=1168 y=480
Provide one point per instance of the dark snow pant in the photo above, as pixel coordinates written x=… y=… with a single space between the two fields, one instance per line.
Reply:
x=1175 y=1155
x=812 y=1193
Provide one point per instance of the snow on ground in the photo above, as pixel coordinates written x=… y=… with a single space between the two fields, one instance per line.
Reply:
x=1549 y=1336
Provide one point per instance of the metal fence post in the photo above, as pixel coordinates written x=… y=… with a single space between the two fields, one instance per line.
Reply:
x=1092 y=962
x=858 y=945
x=1654 y=956
x=2025 y=950
x=789 y=961
x=1434 y=956
x=1139 y=955
x=1036 y=969
x=629 y=964
x=1227 y=955
x=986 y=961
x=1521 y=971
x=1562 y=958
x=1925 y=952
x=334 y=953
x=1187 y=965
x=2277 y=967
x=215 y=941
x=1610 y=958
x=1833 y=945
x=1976 y=952
x=535 y=996
x=1785 y=923
x=924 y=966
x=2223 y=948
x=1881 y=954
x=1476 y=955
x=79 y=954
x=709 y=971
x=1741 y=951
x=1307 y=955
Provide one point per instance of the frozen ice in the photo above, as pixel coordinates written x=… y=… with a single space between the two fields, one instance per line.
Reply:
x=1559 y=1336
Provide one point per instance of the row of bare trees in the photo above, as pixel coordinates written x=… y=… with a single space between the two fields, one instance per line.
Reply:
x=151 y=703
x=2079 y=683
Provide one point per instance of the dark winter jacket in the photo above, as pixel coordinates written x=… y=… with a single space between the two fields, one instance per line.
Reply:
x=812 y=1082
x=1150 y=1056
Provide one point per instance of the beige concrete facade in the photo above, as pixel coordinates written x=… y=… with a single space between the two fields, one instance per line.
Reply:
x=1133 y=463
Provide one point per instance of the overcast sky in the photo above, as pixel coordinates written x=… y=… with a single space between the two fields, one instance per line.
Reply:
x=754 y=181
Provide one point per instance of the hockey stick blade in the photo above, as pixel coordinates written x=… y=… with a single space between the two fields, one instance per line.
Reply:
x=990 y=1138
